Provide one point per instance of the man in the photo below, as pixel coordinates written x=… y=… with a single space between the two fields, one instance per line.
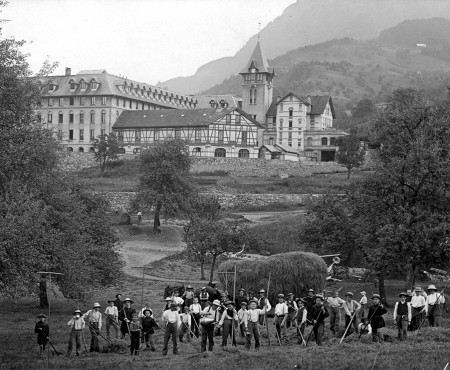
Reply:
x=76 y=332
x=253 y=316
x=112 y=320
x=351 y=308
x=292 y=310
x=126 y=316
x=376 y=312
x=204 y=297
x=319 y=313
x=261 y=304
x=433 y=306
x=171 y=318
x=309 y=303
x=177 y=299
x=95 y=325
x=418 y=308
x=209 y=318
x=301 y=320
x=118 y=302
x=240 y=298
x=281 y=317
x=402 y=316
x=335 y=304
x=188 y=296
x=227 y=321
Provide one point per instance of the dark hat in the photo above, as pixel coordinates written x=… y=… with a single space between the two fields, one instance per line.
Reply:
x=403 y=294
x=173 y=305
x=117 y=295
x=377 y=296
x=186 y=308
x=128 y=300
x=349 y=294
x=147 y=310
x=111 y=300
x=281 y=295
x=223 y=294
x=243 y=303
x=290 y=294
x=41 y=316
x=310 y=290
x=250 y=292
x=229 y=302
x=300 y=300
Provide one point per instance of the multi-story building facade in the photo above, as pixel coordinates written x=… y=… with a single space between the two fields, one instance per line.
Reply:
x=81 y=107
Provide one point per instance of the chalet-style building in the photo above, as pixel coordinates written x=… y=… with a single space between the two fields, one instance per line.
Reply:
x=83 y=106
x=209 y=132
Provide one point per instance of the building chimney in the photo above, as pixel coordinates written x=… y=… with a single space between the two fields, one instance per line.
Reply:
x=68 y=71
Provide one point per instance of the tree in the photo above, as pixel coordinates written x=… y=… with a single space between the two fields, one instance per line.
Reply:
x=106 y=148
x=364 y=109
x=350 y=155
x=164 y=178
x=47 y=222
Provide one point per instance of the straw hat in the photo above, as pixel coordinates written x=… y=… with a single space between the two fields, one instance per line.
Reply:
x=189 y=287
x=310 y=290
x=168 y=299
x=377 y=296
x=418 y=289
x=147 y=310
x=128 y=300
x=431 y=287
x=243 y=303
x=281 y=295
x=349 y=294
x=96 y=305
x=363 y=292
x=262 y=291
x=403 y=294
x=77 y=312
x=41 y=316
x=216 y=302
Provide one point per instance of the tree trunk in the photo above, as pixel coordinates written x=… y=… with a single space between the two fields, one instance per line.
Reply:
x=211 y=276
x=381 y=286
x=43 y=297
x=156 y=222
x=202 y=270
x=349 y=170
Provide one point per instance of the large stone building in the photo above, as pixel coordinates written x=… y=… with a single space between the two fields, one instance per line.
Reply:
x=83 y=106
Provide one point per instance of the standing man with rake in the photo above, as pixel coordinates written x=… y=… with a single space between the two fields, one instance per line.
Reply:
x=351 y=308
x=95 y=326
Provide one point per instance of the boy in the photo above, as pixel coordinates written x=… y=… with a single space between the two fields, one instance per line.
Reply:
x=319 y=313
x=76 y=332
x=253 y=315
x=112 y=319
x=148 y=326
x=171 y=318
x=243 y=319
x=195 y=309
x=365 y=327
x=402 y=316
x=43 y=331
x=376 y=312
x=185 y=324
x=363 y=303
x=228 y=319
x=351 y=308
x=281 y=317
x=292 y=310
x=135 y=334
x=95 y=325
x=188 y=296
x=335 y=303
x=302 y=315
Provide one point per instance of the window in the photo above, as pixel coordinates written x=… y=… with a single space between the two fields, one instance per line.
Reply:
x=60 y=134
x=281 y=107
x=117 y=101
x=51 y=87
x=49 y=117
x=102 y=132
x=70 y=134
x=92 y=117
x=290 y=124
x=92 y=100
x=198 y=135
x=70 y=117
x=156 y=137
x=50 y=102
x=290 y=97
x=197 y=152
x=83 y=85
x=61 y=101
x=324 y=141
x=253 y=96
x=120 y=135
x=290 y=135
x=124 y=102
x=237 y=119
x=177 y=134
x=244 y=153
x=94 y=85
x=137 y=135
x=333 y=141
x=92 y=134
x=81 y=100
x=130 y=104
x=103 y=117
x=291 y=112
x=73 y=86
x=137 y=105
x=220 y=152
x=81 y=149
x=60 y=117
x=71 y=100
x=104 y=100
x=309 y=141
x=289 y=143
x=244 y=137
x=81 y=135
x=38 y=116
x=281 y=123
x=228 y=118
x=271 y=141
x=81 y=117
x=220 y=136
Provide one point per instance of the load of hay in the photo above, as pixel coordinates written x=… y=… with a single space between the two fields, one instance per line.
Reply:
x=293 y=272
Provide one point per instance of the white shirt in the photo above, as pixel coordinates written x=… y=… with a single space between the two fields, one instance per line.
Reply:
x=363 y=300
x=209 y=313
x=112 y=311
x=253 y=314
x=243 y=316
x=226 y=316
x=172 y=317
x=432 y=298
x=195 y=308
x=351 y=307
x=77 y=324
x=368 y=328
x=409 y=310
x=335 y=301
x=186 y=318
x=304 y=316
x=281 y=309
x=417 y=301
x=94 y=316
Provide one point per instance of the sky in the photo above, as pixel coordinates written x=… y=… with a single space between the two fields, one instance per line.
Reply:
x=144 y=40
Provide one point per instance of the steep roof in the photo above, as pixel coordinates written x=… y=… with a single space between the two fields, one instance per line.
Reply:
x=203 y=101
x=319 y=103
x=176 y=117
x=257 y=61
x=293 y=94
x=272 y=111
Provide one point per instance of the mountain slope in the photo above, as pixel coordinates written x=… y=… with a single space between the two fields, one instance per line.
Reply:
x=309 y=22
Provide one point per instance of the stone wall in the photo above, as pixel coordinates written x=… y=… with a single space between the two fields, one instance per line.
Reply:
x=227 y=200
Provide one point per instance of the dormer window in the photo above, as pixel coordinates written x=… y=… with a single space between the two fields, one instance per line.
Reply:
x=94 y=85
x=73 y=85
x=51 y=87
x=212 y=103
x=83 y=85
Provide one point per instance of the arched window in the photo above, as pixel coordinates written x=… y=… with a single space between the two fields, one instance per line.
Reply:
x=103 y=117
x=333 y=141
x=121 y=151
x=91 y=150
x=324 y=141
x=309 y=141
x=244 y=153
x=197 y=152
x=49 y=117
x=220 y=152
x=81 y=150
x=291 y=112
x=92 y=116
x=70 y=149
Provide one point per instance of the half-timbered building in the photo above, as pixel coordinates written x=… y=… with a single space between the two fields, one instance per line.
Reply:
x=209 y=132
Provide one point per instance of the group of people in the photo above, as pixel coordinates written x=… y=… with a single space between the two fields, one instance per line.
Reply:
x=206 y=316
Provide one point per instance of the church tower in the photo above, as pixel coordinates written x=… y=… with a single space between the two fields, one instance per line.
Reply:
x=257 y=85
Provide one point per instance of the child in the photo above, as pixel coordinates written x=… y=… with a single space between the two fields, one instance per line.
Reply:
x=375 y=315
x=112 y=319
x=243 y=319
x=43 y=331
x=135 y=334
x=171 y=318
x=363 y=303
x=281 y=317
x=76 y=332
x=95 y=326
x=185 y=324
x=148 y=325
x=302 y=314
x=351 y=309
x=318 y=314
x=364 y=327
x=253 y=315
x=195 y=310
x=228 y=319
x=402 y=316
x=188 y=296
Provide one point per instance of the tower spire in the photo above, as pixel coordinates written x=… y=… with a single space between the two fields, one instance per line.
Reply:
x=259 y=30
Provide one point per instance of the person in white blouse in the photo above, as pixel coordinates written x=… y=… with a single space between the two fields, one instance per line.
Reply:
x=112 y=319
x=195 y=309
x=351 y=308
x=253 y=315
x=281 y=316
x=95 y=325
x=418 y=308
x=171 y=318
x=177 y=299
x=434 y=305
